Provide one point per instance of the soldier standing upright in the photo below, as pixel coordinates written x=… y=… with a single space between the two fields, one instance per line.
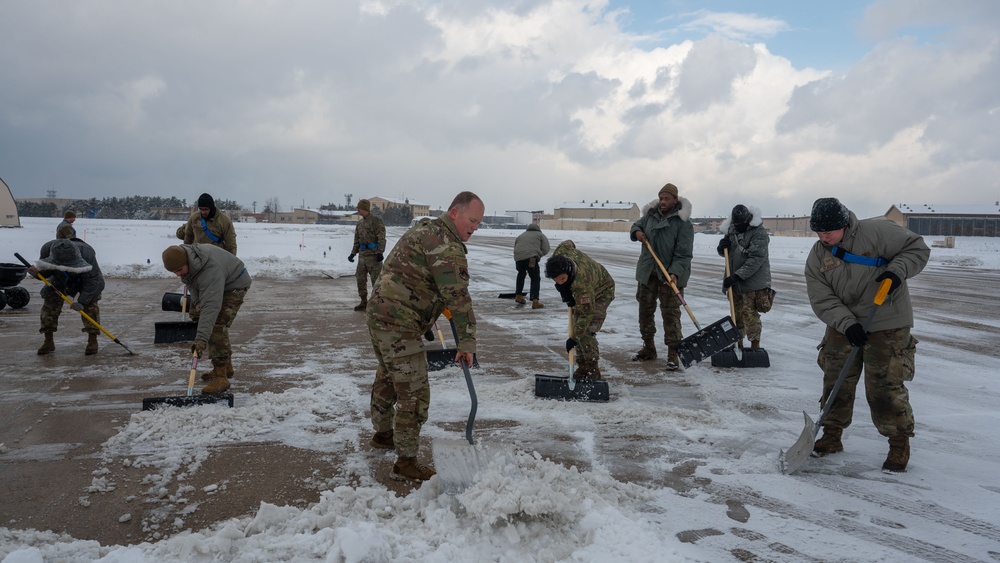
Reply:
x=529 y=248
x=750 y=273
x=425 y=273
x=666 y=224
x=71 y=267
x=65 y=228
x=369 y=246
x=843 y=272
x=588 y=289
x=209 y=225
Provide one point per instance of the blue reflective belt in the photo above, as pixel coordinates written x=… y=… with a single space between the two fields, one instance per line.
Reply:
x=846 y=256
x=204 y=227
x=367 y=246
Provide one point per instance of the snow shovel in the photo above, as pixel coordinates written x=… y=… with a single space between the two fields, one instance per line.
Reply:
x=791 y=460
x=703 y=344
x=440 y=359
x=506 y=296
x=190 y=399
x=70 y=301
x=745 y=358
x=568 y=388
x=180 y=331
x=458 y=461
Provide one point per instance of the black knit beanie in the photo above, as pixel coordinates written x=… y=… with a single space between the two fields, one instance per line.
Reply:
x=205 y=200
x=828 y=214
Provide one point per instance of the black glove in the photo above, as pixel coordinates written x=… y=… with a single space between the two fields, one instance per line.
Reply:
x=724 y=244
x=379 y=257
x=570 y=344
x=730 y=281
x=887 y=275
x=856 y=335
x=351 y=258
x=429 y=336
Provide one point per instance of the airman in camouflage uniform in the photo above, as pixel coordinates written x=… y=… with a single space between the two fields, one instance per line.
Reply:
x=369 y=246
x=209 y=225
x=425 y=273
x=70 y=265
x=588 y=289
x=65 y=228
x=218 y=282
x=750 y=273
x=666 y=224
x=843 y=272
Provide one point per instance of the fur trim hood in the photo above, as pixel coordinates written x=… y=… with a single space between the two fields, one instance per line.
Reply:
x=756 y=221
x=684 y=213
x=63 y=255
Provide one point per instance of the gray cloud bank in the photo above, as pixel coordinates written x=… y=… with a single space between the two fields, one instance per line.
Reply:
x=529 y=104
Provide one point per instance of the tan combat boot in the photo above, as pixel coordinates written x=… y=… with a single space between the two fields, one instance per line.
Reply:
x=830 y=442
x=899 y=454
x=209 y=375
x=383 y=440
x=519 y=299
x=48 y=346
x=219 y=383
x=536 y=304
x=673 y=360
x=92 y=346
x=363 y=305
x=409 y=468
x=647 y=353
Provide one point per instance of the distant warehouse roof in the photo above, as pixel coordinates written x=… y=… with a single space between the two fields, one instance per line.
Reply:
x=948 y=220
x=954 y=210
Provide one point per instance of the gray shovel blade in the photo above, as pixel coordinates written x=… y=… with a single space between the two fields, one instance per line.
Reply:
x=796 y=456
x=458 y=462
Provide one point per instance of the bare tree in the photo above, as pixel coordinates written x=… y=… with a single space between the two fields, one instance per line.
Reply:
x=271 y=208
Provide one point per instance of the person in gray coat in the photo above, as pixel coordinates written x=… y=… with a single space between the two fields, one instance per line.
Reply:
x=70 y=265
x=843 y=272
x=218 y=281
x=750 y=269
x=529 y=248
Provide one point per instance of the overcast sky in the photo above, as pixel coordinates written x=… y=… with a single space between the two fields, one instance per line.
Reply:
x=529 y=103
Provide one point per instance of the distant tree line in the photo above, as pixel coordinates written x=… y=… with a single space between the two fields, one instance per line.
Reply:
x=132 y=207
x=395 y=215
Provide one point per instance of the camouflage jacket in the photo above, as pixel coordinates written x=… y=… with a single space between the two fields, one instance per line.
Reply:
x=591 y=284
x=672 y=238
x=425 y=272
x=369 y=236
x=65 y=230
x=220 y=225
x=211 y=272
x=89 y=284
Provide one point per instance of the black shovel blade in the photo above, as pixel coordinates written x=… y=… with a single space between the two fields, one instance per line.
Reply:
x=555 y=387
x=506 y=296
x=186 y=401
x=708 y=341
x=181 y=331
x=745 y=358
x=438 y=360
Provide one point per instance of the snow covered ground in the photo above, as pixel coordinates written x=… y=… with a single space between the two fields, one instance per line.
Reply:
x=719 y=429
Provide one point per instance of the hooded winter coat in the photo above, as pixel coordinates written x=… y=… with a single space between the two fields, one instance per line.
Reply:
x=85 y=279
x=672 y=238
x=532 y=243
x=748 y=254
x=842 y=293
x=211 y=272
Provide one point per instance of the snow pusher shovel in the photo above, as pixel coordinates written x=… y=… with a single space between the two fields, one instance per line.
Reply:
x=506 y=296
x=791 y=460
x=70 y=301
x=703 y=344
x=458 y=461
x=744 y=357
x=438 y=360
x=180 y=331
x=190 y=399
x=568 y=388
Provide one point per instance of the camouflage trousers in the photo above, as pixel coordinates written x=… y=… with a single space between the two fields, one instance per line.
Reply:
x=219 y=348
x=401 y=393
x=888 y=361
x=588 y=351
x=747 y=318
x=670 y=309
x=52 y=307
x=368 y=270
